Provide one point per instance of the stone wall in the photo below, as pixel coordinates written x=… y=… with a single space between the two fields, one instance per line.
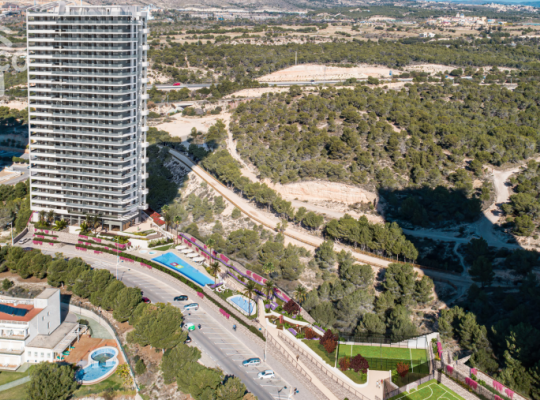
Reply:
x=456 y=388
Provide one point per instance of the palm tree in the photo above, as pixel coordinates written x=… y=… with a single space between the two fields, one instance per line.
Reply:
x=177 y=220
x=249 y=292
x=94 y=223
x=300 y=293
x=84 y=227
x=168 y=219
x=214 y=268
x=42 y=215
x=269 y=289
x=60 y=224
x=50 y=216
x=210 y=243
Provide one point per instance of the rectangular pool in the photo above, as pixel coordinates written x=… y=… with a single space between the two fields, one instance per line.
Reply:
x=172 y=261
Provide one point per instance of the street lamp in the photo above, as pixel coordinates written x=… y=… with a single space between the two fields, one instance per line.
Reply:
x=279 y=391
x=11 y=224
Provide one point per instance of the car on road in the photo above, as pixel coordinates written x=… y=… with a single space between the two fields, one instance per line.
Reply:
x=177 y=84
x=268 y=374
x=251 y=362
x=182 y=297
x=190 y=326
x=146 y=300
x=192 y=306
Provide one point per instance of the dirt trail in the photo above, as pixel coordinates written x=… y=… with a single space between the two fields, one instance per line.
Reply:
x=293 y=235
x=248 y=172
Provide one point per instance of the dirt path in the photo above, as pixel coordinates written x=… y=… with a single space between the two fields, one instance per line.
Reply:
x=293 y=235
x=249 y=172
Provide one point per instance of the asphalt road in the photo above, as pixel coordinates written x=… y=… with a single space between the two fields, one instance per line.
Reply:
x=216 y=337
x=24 y=176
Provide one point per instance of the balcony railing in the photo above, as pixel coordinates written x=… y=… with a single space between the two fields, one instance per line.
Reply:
x=77 y=57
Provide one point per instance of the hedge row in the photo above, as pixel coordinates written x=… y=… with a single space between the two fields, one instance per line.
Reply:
x=45 y=240
x=181 y=279
x=45 y=234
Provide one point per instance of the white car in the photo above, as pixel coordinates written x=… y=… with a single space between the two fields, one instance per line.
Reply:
x=192 y=306
x=268 y=374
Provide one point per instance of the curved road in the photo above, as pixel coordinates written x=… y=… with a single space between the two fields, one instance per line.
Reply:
x=216 y=340
x=297 y=237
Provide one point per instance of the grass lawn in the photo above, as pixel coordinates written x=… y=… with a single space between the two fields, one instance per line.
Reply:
x=8 y=376
x=429 y=390
x=16 y=393
x=112 y=383
x=314 y=345
x=396 y=353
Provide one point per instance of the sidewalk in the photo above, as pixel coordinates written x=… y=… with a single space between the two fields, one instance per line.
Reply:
x=291 y=356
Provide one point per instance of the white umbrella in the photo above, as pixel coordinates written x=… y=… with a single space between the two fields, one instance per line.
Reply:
x=192 y=255
x=181 y=247
x=185 y=251
x=198 y=259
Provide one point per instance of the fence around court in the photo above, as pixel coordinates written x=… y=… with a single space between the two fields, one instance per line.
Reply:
x=323 y=367
x=416 y=342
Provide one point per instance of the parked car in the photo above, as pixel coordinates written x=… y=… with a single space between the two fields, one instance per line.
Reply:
x=182 y=297
x=268 y=374
x=146 y=300
x=177 y=84
x=188 y=340
x=192 y=306
x=251 y=362
x=190 y=326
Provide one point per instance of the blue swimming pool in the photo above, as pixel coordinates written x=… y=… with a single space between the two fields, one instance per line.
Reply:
x=102 y=363
x=175 y=263
x=243 y=304
x=95 y=371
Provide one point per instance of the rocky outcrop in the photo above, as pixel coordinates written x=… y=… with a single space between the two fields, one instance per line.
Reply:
x=326 y=191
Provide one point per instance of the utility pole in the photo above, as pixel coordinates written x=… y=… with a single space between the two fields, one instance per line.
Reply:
x=11 y=223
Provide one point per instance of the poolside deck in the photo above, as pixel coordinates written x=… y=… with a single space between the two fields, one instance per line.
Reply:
x=86 y=345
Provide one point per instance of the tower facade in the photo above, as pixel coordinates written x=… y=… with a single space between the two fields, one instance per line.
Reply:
x=87 y=82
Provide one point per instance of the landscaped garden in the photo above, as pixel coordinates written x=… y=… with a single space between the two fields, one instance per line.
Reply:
x=406 y=364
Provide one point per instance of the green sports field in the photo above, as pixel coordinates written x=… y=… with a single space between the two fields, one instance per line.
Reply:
x=396 y=353
x=386 y=359
x=431 y=390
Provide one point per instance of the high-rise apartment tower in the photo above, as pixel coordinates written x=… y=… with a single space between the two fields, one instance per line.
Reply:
x=87 y=98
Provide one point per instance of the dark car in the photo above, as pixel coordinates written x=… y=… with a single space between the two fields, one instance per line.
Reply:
x=188 y=340
x=146 y=300
x=181 y=298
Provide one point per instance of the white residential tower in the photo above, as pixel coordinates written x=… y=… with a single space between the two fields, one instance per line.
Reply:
x=87 y=85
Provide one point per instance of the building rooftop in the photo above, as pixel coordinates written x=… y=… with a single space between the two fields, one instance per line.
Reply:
x=47 y=293
x=32 y=312
x=52 y=340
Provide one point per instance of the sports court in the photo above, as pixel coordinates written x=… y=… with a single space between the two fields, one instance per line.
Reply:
x=384 y=355
x=431 y=390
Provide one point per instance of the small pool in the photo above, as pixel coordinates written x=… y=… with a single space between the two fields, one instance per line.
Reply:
x=243 y=304
x=175 y=263
x=152 y=252
x=101 y=363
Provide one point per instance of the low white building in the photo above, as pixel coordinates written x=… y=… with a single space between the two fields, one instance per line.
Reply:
x=31 y=330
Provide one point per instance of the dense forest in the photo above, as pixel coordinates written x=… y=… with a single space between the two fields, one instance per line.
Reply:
x=422 y=147
x=523 y=210
x=237 y=62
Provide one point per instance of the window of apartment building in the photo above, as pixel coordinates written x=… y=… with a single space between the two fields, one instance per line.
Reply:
x=42 y=354
x=35 y=354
